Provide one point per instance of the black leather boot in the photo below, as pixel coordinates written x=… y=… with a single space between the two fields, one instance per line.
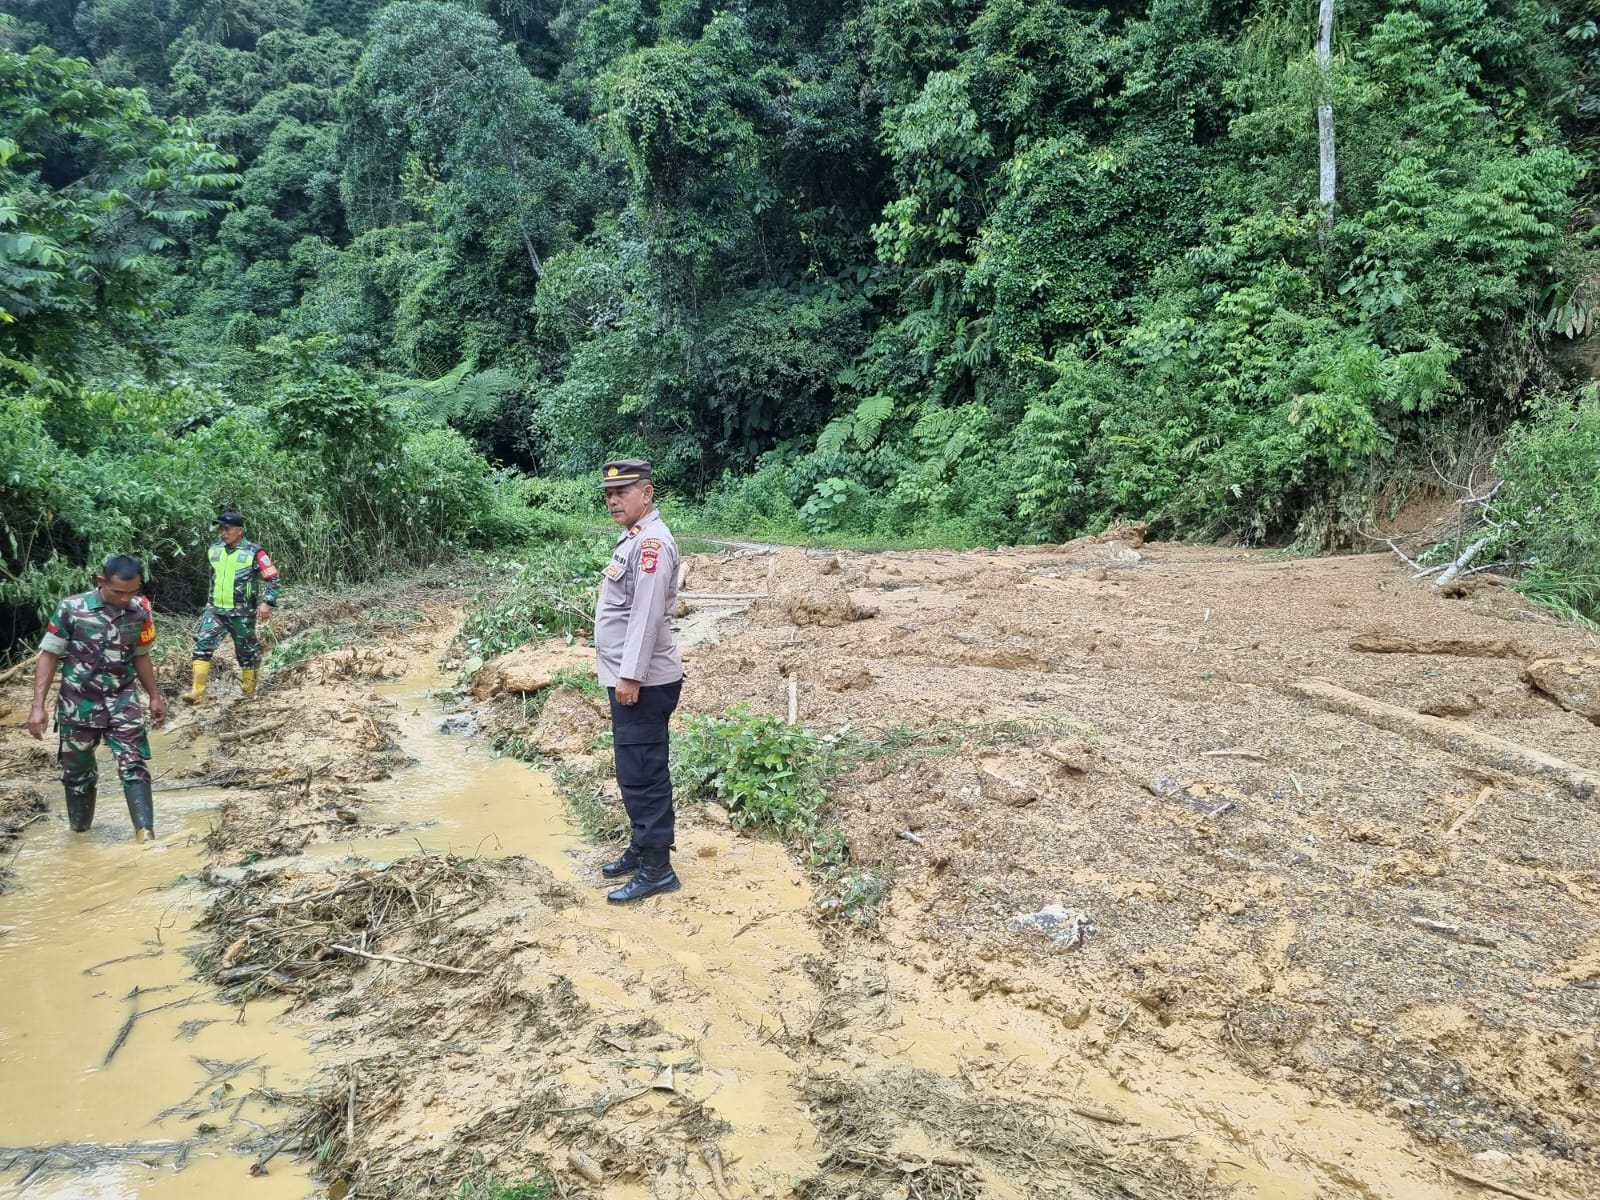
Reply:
x=141 y=809
x=654 y=876
x=80 y=809
x=625 y=863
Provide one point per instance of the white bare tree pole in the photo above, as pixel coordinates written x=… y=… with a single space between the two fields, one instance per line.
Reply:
x=1328 y=172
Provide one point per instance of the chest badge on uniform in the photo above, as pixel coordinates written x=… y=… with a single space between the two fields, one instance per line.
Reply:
x=612 y=571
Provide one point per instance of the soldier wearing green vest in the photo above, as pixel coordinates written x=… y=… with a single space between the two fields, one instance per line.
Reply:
x=244 y=590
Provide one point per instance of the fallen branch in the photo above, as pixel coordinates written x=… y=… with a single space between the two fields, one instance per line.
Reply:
x=1480 y=747
x=722 y=596
x=1101 y=1115
x=17 y=831
x=1389 y=542
x=905 y=835
x=11 y=673
x=350 y=1113
x=1252 y=755
x=1456 y=567
x=1505 y=1189
x=412 y=962
x=253 y=731
x=222 y=779
x=713 y=1159
x=153 y=952
x=1454 y=932
x=127 y=1026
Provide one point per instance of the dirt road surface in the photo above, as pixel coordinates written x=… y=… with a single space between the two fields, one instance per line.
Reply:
x=1214 y=873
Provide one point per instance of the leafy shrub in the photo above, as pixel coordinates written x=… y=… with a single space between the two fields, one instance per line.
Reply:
x=768 y=774
x=548 y=592
x=1548 y=507
x=753 y=506
x=299 y=648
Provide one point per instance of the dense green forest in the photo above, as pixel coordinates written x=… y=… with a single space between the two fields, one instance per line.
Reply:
x=978 y=270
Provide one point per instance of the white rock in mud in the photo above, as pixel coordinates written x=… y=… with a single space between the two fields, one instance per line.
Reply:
x=1063 y=926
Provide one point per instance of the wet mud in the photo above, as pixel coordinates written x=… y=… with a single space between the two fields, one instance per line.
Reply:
x=1276 y=949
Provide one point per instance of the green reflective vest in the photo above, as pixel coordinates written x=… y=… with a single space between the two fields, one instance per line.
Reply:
x=225 y=567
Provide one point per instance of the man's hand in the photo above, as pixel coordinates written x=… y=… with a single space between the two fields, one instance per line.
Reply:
x=37 y=722
x=263 y=612
x=158 y=711
x=627 y=691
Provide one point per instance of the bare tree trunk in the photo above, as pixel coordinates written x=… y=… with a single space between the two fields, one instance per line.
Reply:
x=510 y=149
x=1328 y=174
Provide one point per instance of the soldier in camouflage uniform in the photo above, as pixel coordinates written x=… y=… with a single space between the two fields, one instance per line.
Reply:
x=244 y=589
x=104 y=638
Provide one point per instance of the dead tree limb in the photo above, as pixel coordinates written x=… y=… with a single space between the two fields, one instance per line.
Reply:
x=1454 y=736
x=412 y=962
x=1466 y=557
x=253 y=731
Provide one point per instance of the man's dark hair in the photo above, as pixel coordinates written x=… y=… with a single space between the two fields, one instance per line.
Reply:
x=122 y=566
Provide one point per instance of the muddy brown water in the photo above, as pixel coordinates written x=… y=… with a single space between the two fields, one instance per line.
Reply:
x=732 y=937
x=93 y=918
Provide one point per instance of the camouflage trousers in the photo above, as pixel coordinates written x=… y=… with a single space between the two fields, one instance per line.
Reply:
x=129 y=742
x=239 y=624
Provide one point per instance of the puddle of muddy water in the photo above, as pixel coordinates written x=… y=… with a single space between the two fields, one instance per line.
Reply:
x=87 y=899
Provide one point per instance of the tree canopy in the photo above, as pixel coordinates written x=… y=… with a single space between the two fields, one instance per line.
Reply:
x=1011 y=268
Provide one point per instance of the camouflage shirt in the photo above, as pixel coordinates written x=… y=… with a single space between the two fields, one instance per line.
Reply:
x=97 y=645
x=242 y=577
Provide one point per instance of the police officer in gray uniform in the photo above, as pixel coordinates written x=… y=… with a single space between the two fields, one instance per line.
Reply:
x=641 y=668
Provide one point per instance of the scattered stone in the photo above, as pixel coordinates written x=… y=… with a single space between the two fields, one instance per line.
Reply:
x=1001 y=787
x=585 y=1166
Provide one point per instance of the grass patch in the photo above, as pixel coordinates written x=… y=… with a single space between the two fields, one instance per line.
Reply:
x=297 y=649
x=489 y=1188
x=599 y=815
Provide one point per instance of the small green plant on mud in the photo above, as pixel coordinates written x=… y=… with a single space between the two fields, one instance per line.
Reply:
x=853 y=893
x=486 y=1187
x=845 y=892
x=300 y=648
x=768 y=774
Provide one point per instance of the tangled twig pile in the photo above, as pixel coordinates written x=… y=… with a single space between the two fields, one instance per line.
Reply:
x=293 y=933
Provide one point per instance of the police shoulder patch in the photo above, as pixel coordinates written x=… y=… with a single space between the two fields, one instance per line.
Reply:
x=650 y=544
x=648 y=559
